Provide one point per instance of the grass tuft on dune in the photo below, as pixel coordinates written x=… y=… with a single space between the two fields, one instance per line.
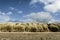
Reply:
x=29 y=27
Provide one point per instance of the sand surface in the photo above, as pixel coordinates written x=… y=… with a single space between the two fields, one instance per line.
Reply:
x=29 y=36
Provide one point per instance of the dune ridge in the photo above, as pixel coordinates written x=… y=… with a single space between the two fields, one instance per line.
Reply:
x=29 y=27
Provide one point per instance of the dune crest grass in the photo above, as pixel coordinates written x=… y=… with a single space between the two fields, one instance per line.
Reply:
x=29 y=27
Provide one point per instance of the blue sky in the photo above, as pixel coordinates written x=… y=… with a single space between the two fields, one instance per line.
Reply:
x=46 y=11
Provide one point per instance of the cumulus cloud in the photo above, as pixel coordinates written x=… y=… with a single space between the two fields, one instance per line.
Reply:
x=43 y=17
x=4 y=17
x=43 y=1
x=50 y=5
x=33 y=2
x=12 y=8
x=20 y=12
x=28 y=20
x=9 y=13
x=52 y=21
x=16 y=10
x=54 y=7
x=2 y=13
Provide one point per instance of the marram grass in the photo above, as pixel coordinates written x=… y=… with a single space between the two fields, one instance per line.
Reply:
x=29 y=27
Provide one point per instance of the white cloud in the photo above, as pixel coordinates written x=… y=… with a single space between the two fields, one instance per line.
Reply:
x=13 y=19
x=28 y=20
x=43 y=17
x=43 y=1
x=4 y=17
x=20 y=12
x=9 y=13
x=50 y=5
x=33 y=2
x=54 y=7
x=46 y=2
x=16 y=10
x=52 y=21
x=2 y=13
x=12 y=8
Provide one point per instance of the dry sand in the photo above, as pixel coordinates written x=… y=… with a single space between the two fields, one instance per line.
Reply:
x=29 y=36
